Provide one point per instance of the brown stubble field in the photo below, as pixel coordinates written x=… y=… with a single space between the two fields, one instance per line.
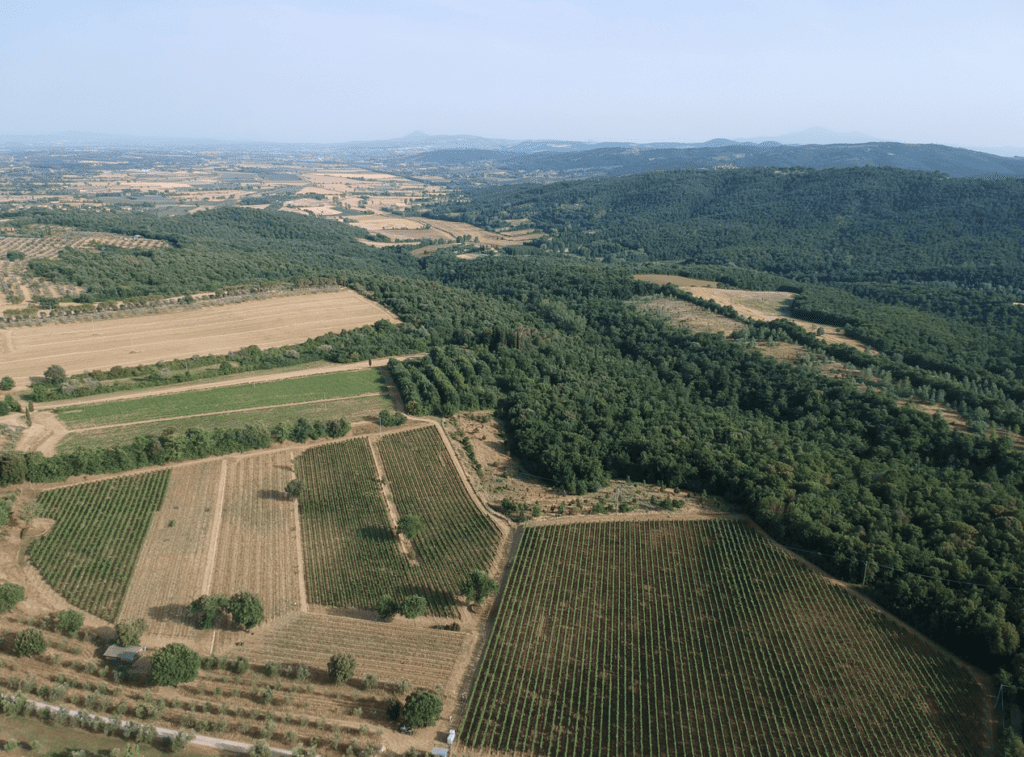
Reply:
x=257 y=546
x=180 y=333
x=175 y=565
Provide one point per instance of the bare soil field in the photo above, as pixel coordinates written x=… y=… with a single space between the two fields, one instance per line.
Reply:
x=256 y=546
x=176 y=560
x=144 y=339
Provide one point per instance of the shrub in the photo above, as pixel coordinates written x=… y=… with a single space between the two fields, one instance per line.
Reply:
x=421 y=709
x=69 y=621
x=341 y=667
x=413 y=606
x=10 y=595
x=29 y=642
x=174 y=664
x=129 y=633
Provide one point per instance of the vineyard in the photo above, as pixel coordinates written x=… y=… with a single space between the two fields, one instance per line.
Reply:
x=90 y=554
x=681 y=637
x=351 y=553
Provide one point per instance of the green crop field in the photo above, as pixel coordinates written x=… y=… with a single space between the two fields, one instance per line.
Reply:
x=703 y=638
x=285 y=391
x=89 y=556
x=351 y=554
x=352 y=409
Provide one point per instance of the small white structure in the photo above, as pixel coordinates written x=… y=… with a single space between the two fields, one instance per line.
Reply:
x=440 y=751
x=451 y=736
x=124 y=655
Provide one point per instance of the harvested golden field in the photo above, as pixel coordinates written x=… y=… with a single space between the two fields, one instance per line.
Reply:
x=258 y=542
x=210 y=329
x=175 y=564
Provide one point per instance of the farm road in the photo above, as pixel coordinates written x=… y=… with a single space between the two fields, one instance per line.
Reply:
x=207 y=741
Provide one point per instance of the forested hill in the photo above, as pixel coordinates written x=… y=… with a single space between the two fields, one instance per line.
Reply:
x=838 y=225
x=210 y=249
x=485 y=166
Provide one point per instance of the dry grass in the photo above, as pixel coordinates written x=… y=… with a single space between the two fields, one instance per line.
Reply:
x=145 y=339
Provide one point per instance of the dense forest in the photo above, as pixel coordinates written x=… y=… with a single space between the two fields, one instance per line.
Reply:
x=836 y=225
x=589 y=387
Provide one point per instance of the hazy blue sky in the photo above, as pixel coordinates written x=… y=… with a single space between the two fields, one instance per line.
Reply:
x=323 y=71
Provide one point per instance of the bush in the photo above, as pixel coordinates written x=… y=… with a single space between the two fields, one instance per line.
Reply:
x=421 y=709
x=6 y=383
x=29 y=642
x=387 y=607
x=129 y=633
x=413 y=606
x=246 y=609
x=174 y=664
x=10 y=595
x=341 y=667
x=69 y=621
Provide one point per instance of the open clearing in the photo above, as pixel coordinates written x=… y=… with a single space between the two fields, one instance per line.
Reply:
x=145 y=339
x=701 y=637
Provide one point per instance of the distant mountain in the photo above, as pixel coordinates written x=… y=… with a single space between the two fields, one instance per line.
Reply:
x=816 y=136
x=504 y=166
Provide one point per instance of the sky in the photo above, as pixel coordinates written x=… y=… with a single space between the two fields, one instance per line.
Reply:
x=594 y=70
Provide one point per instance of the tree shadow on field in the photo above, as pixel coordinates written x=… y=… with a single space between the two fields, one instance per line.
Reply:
x=273 y=494
x=169 y=613
x=376 y=533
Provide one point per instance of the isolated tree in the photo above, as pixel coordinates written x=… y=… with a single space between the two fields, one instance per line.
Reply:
x=6 y=383
x=413 y=606
x=56 y=375
x=477 y=587
x=29 y=642
x=129 y=633
x=174 y=664
x=10 y=595
x=295 y=488
x=341 y=667
x=69 y=621
x=410 y=525
x=246 y=609
x=422 y=709
x=387 y=607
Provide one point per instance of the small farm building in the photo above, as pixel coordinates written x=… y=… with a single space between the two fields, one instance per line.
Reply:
x=125 y=655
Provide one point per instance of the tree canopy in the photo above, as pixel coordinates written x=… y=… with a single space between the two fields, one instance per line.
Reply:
x=478 y=586
x=175 y=664
x=421 y=709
